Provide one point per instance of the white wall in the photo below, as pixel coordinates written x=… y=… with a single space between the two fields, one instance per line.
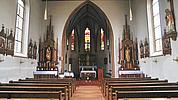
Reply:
x=165 y=68
x=11 y=68
x=114 y=10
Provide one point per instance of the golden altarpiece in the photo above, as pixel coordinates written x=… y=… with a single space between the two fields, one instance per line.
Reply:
x=48 y=55
x=128 y=50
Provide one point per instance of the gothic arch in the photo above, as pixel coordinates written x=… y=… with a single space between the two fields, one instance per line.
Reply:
x=88 y=10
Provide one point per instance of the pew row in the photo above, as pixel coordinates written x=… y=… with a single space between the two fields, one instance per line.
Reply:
x=68 y=84
x=31 y=94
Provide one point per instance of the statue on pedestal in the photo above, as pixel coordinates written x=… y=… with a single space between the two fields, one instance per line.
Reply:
x=127 y=54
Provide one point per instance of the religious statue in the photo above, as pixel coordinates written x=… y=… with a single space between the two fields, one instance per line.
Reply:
x=127 y=54
x=30 y=49
x=34 y=50
x=141 y=50
x=169 y=20
x=147 y=51
x=48 y=54
x=2 y=42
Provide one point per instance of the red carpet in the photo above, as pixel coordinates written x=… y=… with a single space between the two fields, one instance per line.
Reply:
x=87 y=83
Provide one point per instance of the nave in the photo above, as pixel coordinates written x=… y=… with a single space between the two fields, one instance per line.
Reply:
x=146 y=88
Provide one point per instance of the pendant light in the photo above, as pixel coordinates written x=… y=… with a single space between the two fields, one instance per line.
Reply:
x=46 y=11
x=130 y=11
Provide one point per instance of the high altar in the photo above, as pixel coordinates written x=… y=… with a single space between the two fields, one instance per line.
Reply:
x=88 y=68
x=128 y=52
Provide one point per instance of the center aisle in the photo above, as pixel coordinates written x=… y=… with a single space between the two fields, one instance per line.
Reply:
x=88 y=93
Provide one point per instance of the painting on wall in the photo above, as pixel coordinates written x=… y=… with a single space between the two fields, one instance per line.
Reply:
x=166 y=44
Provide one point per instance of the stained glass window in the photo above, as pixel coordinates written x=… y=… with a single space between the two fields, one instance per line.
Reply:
x=102 y=39
x=87 y=39
x=72 y=40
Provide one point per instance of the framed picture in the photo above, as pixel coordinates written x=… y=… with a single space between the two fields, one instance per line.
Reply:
x=166 y=44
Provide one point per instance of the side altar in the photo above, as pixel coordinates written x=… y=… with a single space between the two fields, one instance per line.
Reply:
x=128 y=54
x=47 y=56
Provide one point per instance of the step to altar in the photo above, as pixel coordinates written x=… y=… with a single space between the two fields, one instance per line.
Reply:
x=88 y=82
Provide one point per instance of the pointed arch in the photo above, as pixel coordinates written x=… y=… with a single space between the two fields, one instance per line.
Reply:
x=91 y=10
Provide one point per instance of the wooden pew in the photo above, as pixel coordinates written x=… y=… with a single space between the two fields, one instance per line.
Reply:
x=147 y=94
x=30 y=94
x=67 y=84
x=122 y=88
x=71 y=80
x=105 y=80
x=55 y=90
x=140 y=87
x=112 y=83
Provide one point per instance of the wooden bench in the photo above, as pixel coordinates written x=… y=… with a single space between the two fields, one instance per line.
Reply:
x=71 y=81
x=34 y=89
x=50 y=83
x=105 y=80
x=110 y=83
x=138 y=88
x=30 y=94
x=150 y=86
x=147 y=94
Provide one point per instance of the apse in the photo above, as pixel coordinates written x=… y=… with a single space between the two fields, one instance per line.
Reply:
x=87 y=40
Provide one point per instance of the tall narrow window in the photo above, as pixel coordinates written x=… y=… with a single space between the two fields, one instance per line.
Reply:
x=19 y=26
x=87 y=39
x=72 y=40
x=154 y=24
x=102 y=39
x=21 y=30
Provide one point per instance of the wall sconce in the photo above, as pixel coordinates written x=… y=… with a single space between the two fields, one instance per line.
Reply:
x=21 y=62
x=156 y=60
x=1 y=59
x=32 y=62
x=144 y=61
x=176 y=59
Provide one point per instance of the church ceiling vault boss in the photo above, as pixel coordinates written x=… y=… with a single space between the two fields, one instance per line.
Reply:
x=88 y=40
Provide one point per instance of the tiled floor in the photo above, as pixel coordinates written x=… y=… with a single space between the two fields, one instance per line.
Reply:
x=88 y=93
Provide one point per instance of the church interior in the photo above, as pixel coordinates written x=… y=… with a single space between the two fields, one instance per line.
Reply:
x=88 y=50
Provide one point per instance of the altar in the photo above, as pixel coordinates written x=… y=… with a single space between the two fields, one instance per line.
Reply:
x=45 y=74
x=131 y=73
x=88 y=72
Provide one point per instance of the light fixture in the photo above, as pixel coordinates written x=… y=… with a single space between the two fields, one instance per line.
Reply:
x=130 y=11
x=1 y=58
x=176 y=59
x=46 y=11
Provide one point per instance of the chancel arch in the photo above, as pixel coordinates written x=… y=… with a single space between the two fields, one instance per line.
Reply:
x=93 y=42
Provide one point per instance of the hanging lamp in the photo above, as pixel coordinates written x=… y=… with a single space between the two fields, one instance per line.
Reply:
x=130 y=11
x=46 y=11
